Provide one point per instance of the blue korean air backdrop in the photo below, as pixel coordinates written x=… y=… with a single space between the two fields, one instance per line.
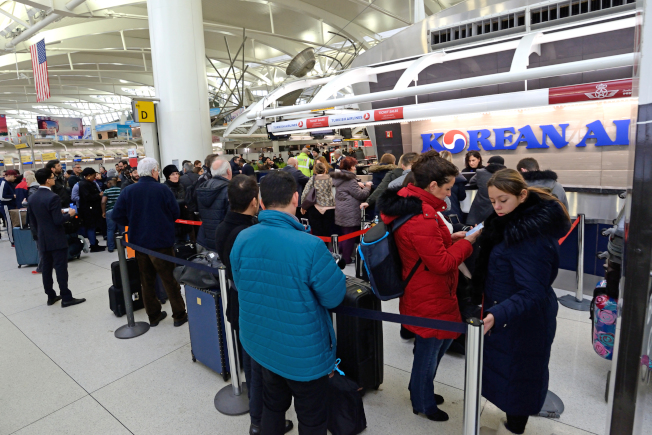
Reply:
x=509 y=138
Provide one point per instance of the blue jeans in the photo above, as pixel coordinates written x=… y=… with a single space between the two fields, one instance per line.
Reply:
x=89 y=233
x=111 y=228
x=427 y=354
x=254 y=378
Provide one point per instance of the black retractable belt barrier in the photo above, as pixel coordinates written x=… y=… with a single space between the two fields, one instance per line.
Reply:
x=132 y=329
x=231 y=399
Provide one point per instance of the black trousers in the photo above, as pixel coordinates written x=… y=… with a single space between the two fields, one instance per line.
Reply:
x=516 y=423
x=309 y=404
x=57 y=260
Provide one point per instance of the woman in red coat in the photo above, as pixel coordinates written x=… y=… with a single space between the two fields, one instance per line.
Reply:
x=432 y=290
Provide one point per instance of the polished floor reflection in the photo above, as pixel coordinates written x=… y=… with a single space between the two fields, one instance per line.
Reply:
x=63 y=372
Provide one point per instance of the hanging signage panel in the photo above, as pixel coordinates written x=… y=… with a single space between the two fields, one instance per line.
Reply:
x=26 y=160
x=58 y=126
x=4 y=131
x=321 y=121
x=388 y=114
x=591 y=92
x=49 y=156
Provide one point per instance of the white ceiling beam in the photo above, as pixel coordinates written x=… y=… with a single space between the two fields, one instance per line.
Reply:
x=14 y=18
x=377 y=8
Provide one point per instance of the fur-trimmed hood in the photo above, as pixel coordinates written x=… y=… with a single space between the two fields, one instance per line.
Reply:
x=391 y=204
x=341 y=177
x=535 y=217
x=539 y=176
x=379 y=168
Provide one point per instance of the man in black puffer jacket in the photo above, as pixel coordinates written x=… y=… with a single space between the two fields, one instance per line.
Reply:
x=213 y=203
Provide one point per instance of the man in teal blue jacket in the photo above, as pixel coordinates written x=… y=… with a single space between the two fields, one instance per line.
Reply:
x=286 y=286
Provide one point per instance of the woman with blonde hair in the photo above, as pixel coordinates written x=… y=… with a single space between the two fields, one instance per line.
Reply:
x=321 y=215
x=323 y=160
x=517 y=264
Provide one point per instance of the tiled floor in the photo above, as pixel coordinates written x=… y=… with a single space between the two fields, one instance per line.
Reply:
x=63 y=372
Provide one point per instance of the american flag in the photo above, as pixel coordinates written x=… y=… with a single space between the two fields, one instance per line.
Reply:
x=40 y=68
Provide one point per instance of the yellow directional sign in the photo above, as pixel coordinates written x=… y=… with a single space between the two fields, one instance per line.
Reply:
x=26 y=159
x=49 y=156
x=145 y=111
x=21 y=146
x=321 y=110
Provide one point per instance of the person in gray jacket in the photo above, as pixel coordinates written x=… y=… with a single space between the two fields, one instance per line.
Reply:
x=481 y=208
x=547 y=180
x=349 y=194
x=405 y=163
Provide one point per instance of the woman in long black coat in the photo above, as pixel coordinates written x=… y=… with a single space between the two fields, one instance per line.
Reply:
x=172 y=176
x=90 y=208
x=517 y=264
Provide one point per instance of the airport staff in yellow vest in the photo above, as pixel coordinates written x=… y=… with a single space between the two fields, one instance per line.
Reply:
x=305 y=162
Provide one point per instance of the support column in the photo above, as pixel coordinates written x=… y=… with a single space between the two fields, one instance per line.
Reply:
x=176 y=32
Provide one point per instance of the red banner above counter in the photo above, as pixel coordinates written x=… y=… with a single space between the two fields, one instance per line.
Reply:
x=608 y=90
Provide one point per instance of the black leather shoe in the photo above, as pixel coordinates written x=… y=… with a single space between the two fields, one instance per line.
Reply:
x=97 y=248
x=439 y=399
x=255 y=430
x=437 y=416
x=161 y=316
x=72 y=302
x=54 y=300
x=181 y=321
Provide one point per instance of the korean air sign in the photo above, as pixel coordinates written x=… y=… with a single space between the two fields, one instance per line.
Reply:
x=509 y=138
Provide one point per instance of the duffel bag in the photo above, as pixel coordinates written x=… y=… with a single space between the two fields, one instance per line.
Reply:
x=199 y=278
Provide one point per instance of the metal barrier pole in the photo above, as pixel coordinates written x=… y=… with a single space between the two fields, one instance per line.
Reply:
x=230 y=400
x=473 y=376
x=131 y=329
x=577 y=301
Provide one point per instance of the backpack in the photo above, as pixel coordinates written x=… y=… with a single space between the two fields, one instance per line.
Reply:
x=191 y=195
x=345 y=409
x=381 y=259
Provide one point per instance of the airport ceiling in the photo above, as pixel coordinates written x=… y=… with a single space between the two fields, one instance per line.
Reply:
x=99 y=54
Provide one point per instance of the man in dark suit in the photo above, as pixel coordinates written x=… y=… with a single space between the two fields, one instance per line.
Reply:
x=46 y=220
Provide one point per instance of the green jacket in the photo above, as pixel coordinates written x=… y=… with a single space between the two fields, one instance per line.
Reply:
x=382 y=187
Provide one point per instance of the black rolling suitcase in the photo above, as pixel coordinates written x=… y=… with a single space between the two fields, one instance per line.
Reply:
x=117 y=302
x=116 y=298
x=360 y=341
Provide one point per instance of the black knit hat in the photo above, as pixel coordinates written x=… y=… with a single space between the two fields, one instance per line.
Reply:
x=497 y=160
x=169 y=170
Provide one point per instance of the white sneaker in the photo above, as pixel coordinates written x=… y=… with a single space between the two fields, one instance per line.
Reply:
x=87 y=246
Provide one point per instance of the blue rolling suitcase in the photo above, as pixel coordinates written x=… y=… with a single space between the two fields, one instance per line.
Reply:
x=26 y=250
x=206 y=325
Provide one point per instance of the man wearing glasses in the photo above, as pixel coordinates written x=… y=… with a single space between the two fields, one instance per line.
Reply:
x=46 y=220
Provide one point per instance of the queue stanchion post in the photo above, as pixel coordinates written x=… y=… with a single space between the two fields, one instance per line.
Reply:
x=232 y=399
x=577 y=301
x=132 y=329
x=473 y=376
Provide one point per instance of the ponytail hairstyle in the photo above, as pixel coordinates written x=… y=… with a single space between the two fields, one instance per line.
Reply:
x=512 y=182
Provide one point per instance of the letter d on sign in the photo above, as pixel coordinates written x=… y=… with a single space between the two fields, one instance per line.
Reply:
x=143 y=115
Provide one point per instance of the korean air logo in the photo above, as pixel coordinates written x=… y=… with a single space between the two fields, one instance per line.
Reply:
x=454 y=141
x=300 y=124
x=367 y=116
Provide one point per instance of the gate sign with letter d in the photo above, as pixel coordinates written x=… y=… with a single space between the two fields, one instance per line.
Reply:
x=145 y=111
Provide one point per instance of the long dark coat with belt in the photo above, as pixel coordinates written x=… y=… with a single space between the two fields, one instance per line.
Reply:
x=90 y=204
x=518 y=262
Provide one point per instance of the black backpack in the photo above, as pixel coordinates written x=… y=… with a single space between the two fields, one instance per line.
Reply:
x=381 y=259
x=345 y=409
